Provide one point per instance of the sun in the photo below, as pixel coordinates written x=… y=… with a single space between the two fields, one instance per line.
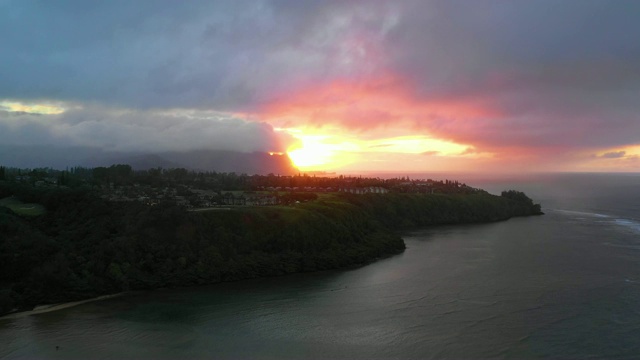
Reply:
x=320 y=152
x=310 y=153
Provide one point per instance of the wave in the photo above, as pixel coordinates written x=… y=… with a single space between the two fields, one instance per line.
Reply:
x=582 y=213
x=627 y=223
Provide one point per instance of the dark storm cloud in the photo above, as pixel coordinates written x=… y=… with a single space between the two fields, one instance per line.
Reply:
x=143 y=53
x=459 y=45
x=222 y=54
x=229 y=53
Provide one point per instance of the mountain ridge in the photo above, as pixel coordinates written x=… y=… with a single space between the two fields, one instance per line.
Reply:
x=42 y=156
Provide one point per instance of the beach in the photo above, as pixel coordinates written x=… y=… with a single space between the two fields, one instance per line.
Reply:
x=40 y=309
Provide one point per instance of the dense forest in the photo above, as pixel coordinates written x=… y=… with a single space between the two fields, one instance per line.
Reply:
x=82 y=246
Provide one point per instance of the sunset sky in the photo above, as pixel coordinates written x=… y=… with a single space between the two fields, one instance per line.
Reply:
x=341 y=86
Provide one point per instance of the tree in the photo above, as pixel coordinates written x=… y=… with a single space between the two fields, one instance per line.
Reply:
x=101 y=174
x=517 y=196
x=120 y=173
x=62 y=181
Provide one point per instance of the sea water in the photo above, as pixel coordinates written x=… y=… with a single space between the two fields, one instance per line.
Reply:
x=562 y=285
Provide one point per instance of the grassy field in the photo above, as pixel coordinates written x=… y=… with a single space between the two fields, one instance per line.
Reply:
x=21 y=208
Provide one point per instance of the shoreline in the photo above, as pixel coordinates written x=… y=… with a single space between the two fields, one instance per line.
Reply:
x=41 y=309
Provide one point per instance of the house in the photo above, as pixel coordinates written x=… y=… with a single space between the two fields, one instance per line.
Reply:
x=364 y=190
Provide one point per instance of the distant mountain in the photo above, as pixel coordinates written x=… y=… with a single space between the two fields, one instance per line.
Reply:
x=205 y=160
x=139 y=162
x=230 y=161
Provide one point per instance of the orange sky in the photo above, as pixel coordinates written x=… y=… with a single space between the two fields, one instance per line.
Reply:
x=378 y=123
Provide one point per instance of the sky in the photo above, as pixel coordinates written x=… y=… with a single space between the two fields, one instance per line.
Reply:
x=347 y=86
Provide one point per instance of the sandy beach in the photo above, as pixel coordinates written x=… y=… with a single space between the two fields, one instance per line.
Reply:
x=40 y=309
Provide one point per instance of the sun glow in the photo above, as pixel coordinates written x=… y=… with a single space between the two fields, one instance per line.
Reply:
x=343 y=125
x=319 y=152
x=45 y=109
x=310 y=154
x=623 y=158
x=416 y=145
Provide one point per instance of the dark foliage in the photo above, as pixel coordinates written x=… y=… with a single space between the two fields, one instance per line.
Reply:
x=84 y=246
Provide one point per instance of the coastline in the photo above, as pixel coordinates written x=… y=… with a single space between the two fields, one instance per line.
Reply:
x=252 y=243
x=41 y=309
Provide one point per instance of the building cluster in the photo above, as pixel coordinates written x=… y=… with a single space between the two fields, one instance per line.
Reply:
x=313 y=189
x=187 y=197
x=209 y=189
x=364 y=190
x=39 y=182
x=193 y=198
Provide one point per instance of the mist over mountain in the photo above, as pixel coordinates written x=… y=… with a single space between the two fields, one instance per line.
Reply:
x=232 y=161
x=204 y=160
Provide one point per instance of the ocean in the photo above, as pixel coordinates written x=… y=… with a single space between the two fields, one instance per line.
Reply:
x=562 y=285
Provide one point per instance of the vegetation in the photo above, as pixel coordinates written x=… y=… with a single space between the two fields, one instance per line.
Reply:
x=119 y=176
x=398 y=210
x=84 y=246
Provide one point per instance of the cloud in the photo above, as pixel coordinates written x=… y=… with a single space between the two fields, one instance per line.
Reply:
x=112 y=129
x=554 y=74
x=377 y=146
x=494 y=77
x=469 y=151
x=388 y=104
x=223 y=55
x=431 y=153
x=516 y=79
x=614 y=155
x=231 y=55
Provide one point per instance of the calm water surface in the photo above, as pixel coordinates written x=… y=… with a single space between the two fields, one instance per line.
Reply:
x=563 y=285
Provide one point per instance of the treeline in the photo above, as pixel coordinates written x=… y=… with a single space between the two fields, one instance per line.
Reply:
x=124 y=175
x=84 y=246
x=400 y=210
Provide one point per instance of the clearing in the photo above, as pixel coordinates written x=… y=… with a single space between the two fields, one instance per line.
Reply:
x=21 y=208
